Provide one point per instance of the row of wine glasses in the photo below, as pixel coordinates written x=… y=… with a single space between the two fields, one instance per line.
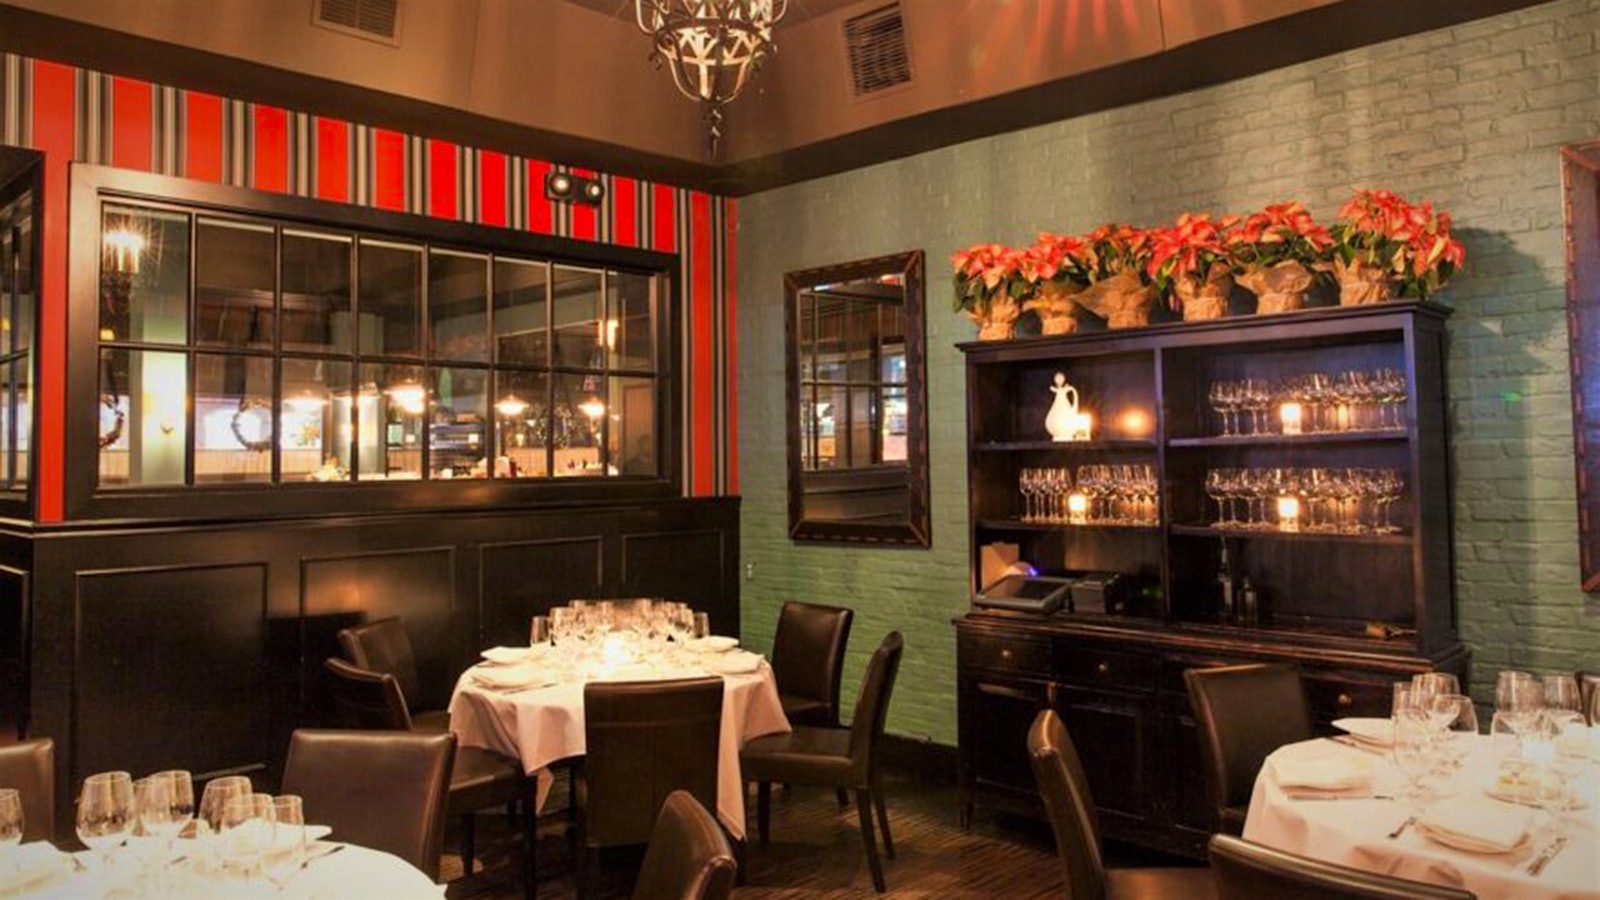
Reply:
x=590 y=621
x=1099 y=494
x=1332 y=501
x=1351 y=400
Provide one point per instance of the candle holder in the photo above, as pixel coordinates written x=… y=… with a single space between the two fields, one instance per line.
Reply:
x=1077 y=508
x=1292 y=417
x=1289 y=513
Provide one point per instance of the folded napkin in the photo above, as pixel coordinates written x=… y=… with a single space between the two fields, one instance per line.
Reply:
x=1323 y=770
x=283 y=837
x=738 y=662
x=1379 y=732
x=506 y=656
x=507 y=677
x=712 y=644
x=1477 y=824
x=34 y=862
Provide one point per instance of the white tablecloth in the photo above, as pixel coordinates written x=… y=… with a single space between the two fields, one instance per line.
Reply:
x=544 y=726
x=354 y=873
x=1353 y=833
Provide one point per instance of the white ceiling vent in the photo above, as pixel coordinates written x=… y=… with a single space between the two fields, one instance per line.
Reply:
x=375 y=20
x=876 y=44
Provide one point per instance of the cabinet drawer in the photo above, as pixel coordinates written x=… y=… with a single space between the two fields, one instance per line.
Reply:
x=1332 y=697
x=1106 y=668
x=1005 y=653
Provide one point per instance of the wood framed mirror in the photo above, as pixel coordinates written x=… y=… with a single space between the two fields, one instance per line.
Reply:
x=857 y=402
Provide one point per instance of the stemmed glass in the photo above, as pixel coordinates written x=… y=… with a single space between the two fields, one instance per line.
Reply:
x=1518 y=698
x=1224 y=399
x=1255 y=397
x=1561 y=692
x=248 y=831
x=106 y=813
x=1390 y=387
x=1456 y=714
x=166 y=804
x=287 y=852
x=10 y=823
x=219 y=792
x=1217 y=490
x=1412 y=746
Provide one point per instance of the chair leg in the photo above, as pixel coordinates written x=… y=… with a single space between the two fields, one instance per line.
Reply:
x=530 y=856
x=468 y=844
x=883 y=820
x=763 y=810
x=844 y=797
x=864 y=809
x=739 y=879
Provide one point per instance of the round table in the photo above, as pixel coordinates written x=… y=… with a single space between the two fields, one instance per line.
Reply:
x=545 y=725
x=1353 y=832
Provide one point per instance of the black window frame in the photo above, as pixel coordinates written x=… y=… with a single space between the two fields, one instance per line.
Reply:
x=22 y=171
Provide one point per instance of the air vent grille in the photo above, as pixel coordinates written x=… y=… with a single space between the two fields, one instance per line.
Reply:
x=876 y=42
x=377 y=20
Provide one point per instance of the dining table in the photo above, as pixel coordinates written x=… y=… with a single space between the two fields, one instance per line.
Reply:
x=536 y=717
x=1338 y=800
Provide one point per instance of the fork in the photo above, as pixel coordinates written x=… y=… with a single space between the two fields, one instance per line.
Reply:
x=1401 y=828
x=1543 y=859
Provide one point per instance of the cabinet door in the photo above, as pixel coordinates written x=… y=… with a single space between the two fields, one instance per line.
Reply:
x=1110 y=732
x=995 y=717
x=1182 y=761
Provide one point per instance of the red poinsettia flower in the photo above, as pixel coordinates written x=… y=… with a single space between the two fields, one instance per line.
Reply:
x=1411 y=240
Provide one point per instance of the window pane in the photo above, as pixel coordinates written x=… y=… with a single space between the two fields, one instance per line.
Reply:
x=830 y=340
x=315 y=425
x=391 y=407
x=232 y=418
x=522 y=423
x=632 y=438
x=234 y=283
x=808 y=335
x=143 y=423
x=16 y=283
x=893 y=428
x=832 y=407
x=144 y=283
x=579 y=414
x=863 y=425
x=629 y=335
x=893 y=356
x=6 y=418
x=22 y=379
x=316 y=292
x=458 y=436
x=808 y=426
x=863 y=319
x=391 y=299
x=577 y=318
x=521 y=312
x=458 y=305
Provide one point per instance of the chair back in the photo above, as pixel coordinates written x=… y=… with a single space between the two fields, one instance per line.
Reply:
x=644 y=740
x=689 y=856
x=872 y=706
x=1065 y=790
x=1247 y=871
x=366 y=699
x=383 y=646
x=1243 y=714
x=379 y=789
x=30 y=768
x=808 y=652
x=1588 y=684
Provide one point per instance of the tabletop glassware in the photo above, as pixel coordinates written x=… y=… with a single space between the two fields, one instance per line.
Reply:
x=702 y=625
x=11 y=823
x=288 y=851
x=1434 y=684
x=538 y=631
x=1518 y=697
x=1412 y=752
x=561 y=626
x=248 y=832
x=1562 y=692
x=1459 y=718
x=106 y=813
x=166 y=804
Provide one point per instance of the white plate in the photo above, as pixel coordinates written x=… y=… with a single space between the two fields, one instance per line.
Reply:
x=506 y=656
x=739 y=663
x=1378 y=732
x=712 y=644
x=509 y=677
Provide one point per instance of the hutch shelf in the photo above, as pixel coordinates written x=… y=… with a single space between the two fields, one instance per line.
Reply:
x=1355 y=609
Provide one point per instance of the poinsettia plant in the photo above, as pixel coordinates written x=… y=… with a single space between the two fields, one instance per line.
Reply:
x=1283 y=232
x=1410 y=242
x=1113 y=249
x=1059 y=258
x=987 y=272
x=1190 y=246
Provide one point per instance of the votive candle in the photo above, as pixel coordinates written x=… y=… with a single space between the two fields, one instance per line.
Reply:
x=1292 y=415
x=1289 y=513
x=1077 y=508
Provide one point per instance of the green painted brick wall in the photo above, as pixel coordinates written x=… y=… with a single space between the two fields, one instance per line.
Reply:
x=1469 y=116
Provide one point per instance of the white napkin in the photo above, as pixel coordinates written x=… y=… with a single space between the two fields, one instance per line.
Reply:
x=1379 y=732
x=1330 y=770
x=712 y=644
x=506 y=656
x=739 y=662
x=506 y=677
x=283 y=837
x=1477 y=824
x=35 y=862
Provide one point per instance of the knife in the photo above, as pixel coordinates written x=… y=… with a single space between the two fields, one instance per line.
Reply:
x=1320 y=795
x=1556 y=846
x=1354 y=744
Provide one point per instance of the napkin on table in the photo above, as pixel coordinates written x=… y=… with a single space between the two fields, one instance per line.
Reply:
x=1335 y=770
x=1478 y=823
x=504 y=677
x=1372 y=731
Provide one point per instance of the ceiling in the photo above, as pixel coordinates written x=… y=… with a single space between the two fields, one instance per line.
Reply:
x=799 y=10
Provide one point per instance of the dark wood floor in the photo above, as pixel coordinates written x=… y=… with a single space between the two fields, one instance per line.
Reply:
x=816 y=854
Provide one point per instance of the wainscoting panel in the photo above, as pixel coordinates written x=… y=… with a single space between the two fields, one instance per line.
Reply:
x=653 y=565
x=521 y=579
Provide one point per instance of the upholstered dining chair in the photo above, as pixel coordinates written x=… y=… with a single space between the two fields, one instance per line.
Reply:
x=808 y=661
x=643 y=741
x=30 y=768
x=1243 y=714
x=382 y=645
x=839 y=758
x=1249 y=871
x=381 y=789
x=689 y=857
x=479 y=779
x=1065 y=790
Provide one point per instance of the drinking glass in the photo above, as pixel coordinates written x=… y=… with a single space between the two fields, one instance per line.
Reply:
x=288 y=850
x=1405 y=702
x=538 y=631
x=1518 y=697
x=11 y=821
x=166 y=804
x=562 y=628
x=218 y=794
x=1594 y=707
x=248 y=832
x=1434 y=684
x=1412 y=749
x=1456 y=714
x=702 y=625
x=1561 y=692
x=106 y=813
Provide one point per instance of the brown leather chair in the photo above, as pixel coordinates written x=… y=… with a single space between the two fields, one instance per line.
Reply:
x=30 y=768
x=1588 y=683
x=643 y=741
x=480 y=778
x=380 y=789
x=1065 y=790
x=1247 y=871
x=835 y=757
x=383 y=646
x=689 y=857
x=1243 y=713
x=808 y=661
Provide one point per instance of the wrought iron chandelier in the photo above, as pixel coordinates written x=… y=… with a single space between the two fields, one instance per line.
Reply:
x=712 y=47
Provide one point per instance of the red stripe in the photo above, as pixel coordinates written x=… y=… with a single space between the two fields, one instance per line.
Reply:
x=491 y=188
x=703 y=373
x=539 y=218
x=585 y=218
x=202 y=136
x=333 y=160
x=388 y=169
x=666 y=228
x=130 y=124
x=624 y=218
x=271 y=149
x=442 y=179
x=730 y=337
x=54 y=118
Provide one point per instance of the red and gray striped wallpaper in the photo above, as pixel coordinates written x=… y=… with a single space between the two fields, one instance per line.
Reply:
x=72 y=113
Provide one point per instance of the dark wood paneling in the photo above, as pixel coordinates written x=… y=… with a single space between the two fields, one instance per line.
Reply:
x=521 y=579
x=652 y=565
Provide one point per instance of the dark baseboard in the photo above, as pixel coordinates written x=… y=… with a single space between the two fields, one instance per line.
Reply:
x=932 y=762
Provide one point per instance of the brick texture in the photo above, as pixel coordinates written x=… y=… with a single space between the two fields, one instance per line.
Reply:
x=1470 y=117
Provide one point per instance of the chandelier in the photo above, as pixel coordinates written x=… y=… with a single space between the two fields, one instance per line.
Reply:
x=712 y=46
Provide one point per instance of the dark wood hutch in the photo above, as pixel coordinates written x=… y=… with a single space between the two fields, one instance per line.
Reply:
x=1117 y=679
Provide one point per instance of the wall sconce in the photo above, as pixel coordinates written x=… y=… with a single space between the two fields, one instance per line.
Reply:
x=511 y=406
x=594 y=408
x=564 y=187
x=410 y=397
x=126 y=247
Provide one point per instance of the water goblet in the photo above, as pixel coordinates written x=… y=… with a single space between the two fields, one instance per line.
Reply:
x=1562 y=692
x=538 y=631
x=248 y=832
x=287 y=852
x=702 y=625
x=106 y=813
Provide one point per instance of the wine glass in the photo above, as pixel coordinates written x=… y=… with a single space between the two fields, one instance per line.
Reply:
x=1456 y=714
x=1518 y=697
x=702 y=625
x=248 y=831
x=561 y=625
x=165 y=804
x=1562 y=692
x=288 y=849
x=1028 y=483
x=1594 y=707
x=538 y=631
x=11 y=822
x=1412 y=748
x=106 y=813
x=1221 y=398
x=1433 y=684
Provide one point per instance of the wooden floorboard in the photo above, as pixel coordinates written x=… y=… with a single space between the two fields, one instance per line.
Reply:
x=816 y=854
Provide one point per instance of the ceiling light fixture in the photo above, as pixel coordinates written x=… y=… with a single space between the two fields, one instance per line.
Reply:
x=712 y=47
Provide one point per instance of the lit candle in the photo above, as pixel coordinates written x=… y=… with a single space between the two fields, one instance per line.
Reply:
x=1077 y=508
x=1292 y=415
x=1082 y=426
x=1289 y=513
